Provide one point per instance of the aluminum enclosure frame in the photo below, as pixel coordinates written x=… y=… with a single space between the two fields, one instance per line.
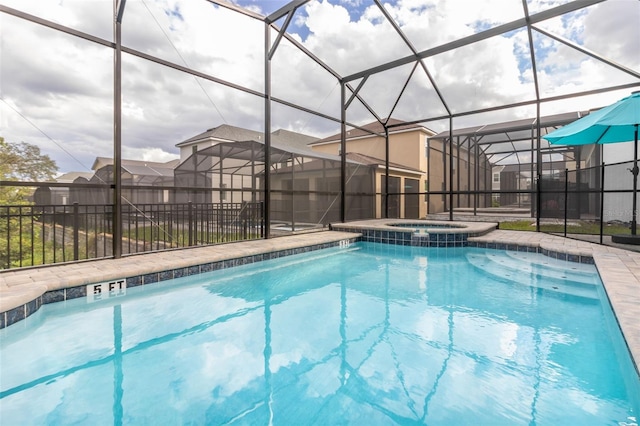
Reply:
x=349 y=93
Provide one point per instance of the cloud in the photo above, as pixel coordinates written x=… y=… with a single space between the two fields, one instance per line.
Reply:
x=62 y=86
x=149 y=154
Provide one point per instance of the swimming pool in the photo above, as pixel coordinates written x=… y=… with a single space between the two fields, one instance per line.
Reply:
x=370 y=333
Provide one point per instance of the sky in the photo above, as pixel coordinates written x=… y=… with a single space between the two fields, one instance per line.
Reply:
x=56 y=90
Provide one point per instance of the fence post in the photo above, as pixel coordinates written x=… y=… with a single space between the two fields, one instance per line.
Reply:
x=566 y=199
x=262 y=221
x=243 y=219
x=190 y=219
x=76 y=233
x=538 y=202
x=602 y=204
x=8 y=224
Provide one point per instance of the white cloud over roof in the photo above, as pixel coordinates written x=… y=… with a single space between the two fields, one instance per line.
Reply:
x=57 y=89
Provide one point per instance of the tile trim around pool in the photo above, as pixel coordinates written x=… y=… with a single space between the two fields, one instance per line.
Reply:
x=21 y=312
x=459 y=239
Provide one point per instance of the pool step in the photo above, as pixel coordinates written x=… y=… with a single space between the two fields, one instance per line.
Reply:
x=547 y=266
x=535 y=270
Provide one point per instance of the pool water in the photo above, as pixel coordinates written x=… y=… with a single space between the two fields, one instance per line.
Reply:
x=369 y=334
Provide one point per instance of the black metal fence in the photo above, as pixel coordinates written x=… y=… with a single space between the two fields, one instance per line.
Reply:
x=593 y=201
x=589 y=203
x=34 y=235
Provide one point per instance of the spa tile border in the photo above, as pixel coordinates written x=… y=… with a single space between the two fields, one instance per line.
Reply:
x=409 y=238
x=455 y=239
x=402 y=232
x=21 y=312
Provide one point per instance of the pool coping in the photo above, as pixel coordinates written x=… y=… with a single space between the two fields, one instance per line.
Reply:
x=24 y=291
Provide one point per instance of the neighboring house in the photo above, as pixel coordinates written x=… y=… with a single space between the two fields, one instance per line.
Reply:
x=228 y=133
x=135 y=173
x=511 y=177
x=619 y=160
x=495 y=184
x=304 y=184
x=401 y=179
x=59 y=195
x=503 y=144
x=215 y=135
x=216 y=159
x=461 y=172
x=408 y=163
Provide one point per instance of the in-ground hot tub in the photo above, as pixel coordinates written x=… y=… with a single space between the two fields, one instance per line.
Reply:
x=416 y=232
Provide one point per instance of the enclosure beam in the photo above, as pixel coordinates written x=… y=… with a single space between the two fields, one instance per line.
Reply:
x=634 y=171
x=288 y=8
x=386 y=172
x=538 y=168
x=343 y=153
x=451 y=168
x=484 y=35
x=267 y=133
x=280 y=33
x=355 y=92
x=588 y=52
x=476 y=170
x=117 y=129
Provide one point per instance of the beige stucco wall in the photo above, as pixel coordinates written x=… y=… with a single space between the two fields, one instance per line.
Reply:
x=464 y=178
x=379 y=179
x=406 y=148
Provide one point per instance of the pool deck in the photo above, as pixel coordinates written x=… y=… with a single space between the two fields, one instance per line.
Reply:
x=618 y=268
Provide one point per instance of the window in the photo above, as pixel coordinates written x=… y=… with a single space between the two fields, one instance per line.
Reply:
x=496 y=177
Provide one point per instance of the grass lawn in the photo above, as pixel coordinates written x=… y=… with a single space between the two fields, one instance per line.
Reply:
x=572 y=228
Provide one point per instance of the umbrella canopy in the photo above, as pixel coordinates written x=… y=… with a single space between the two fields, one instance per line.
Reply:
x=617 y=122
x=614 y=123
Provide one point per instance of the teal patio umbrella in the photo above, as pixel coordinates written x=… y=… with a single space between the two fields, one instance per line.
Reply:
x=617 y=122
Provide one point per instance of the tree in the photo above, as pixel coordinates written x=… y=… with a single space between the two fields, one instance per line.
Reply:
x=18 y=162
x=22 y=162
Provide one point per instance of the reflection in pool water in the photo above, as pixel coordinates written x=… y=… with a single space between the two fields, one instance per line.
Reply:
x=370 y=334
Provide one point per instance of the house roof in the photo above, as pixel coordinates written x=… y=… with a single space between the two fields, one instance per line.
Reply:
x=505 y=142
x=285 y=138
x=224 y=133
x=373 y=128
x=138 y=167
x=240 y=156
x=516 y=125
x=227 y=133
x=72 y=176
x=373 y=161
